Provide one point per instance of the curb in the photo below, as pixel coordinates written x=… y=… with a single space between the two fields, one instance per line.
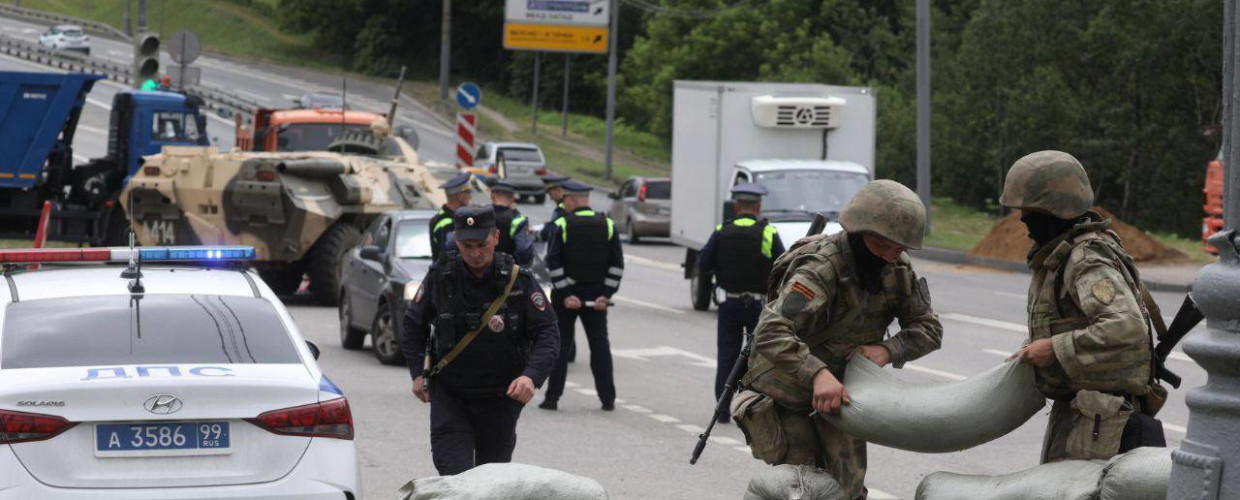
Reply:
x=961 y=258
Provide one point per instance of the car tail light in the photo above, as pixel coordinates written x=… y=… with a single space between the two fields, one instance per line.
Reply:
x=266 y=175
x=493 y=169
x=641 y=195
x=18 y=427
x=329 y=419
x=541 y=172
x=152 y=171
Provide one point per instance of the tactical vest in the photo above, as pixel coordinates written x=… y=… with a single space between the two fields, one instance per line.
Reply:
x=440 y=224
x=587 y=245
x=1052 y=311
x=494 y=358
x=506 y=221
x=742 y=264
x=855 y=316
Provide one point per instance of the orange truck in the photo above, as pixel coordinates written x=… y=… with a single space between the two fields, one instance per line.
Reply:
x=299 y=129
x=1213 y=221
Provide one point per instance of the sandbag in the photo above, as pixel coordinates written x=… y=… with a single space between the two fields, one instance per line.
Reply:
x=1141 y=474
x=504 y=482
x=1067 y=480
x=936 y=418
x=794 y=482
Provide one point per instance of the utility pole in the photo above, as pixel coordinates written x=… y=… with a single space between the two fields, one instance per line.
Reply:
x=1207 y=464
x=564 y=107
x=445 y=49
x=923 y=106
x=611 y=84
x=128 y=17
x=534 y=96
x=141 y=16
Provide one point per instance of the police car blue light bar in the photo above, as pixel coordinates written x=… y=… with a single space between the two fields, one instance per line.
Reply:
x=123 y=254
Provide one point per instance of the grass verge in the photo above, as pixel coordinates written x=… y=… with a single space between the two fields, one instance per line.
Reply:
x=957 y=227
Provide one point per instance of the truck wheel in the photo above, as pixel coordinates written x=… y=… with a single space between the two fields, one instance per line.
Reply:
x=282 y=281
x=384 y=338
x=700 y=289
x=350 y=338
x=324 y=260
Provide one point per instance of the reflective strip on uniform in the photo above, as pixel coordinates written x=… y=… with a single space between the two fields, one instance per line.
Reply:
x=743 y=222
x=516 y=223
x=612 y=282
x=557 y=272
x=768 y=240
x=560 y=284
x=442 y=224
x=563 y=224
x=616 y=271
x=611 y=228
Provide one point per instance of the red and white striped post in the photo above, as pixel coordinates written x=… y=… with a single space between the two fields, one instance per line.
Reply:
x=466 y=130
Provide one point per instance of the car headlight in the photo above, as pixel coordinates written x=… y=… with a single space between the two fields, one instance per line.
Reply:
x=411 y=290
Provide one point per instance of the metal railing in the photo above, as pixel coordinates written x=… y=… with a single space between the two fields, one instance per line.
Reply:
x=220 y=101
x=51 y=18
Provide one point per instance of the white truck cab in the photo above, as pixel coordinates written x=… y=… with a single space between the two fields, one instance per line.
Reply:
x=810 y=145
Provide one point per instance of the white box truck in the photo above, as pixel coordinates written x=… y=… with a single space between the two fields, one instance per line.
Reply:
x=810 y=145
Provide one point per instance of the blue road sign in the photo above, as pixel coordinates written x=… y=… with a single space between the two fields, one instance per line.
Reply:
x=468 y=95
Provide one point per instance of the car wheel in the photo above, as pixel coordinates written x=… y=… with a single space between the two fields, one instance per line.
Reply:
x=540 y=199
x=699 y=291
x=350 y=338
x=631 y=229
x=387 y=346
x=326 y=258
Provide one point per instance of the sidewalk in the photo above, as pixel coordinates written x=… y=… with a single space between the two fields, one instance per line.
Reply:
x=1173 y=277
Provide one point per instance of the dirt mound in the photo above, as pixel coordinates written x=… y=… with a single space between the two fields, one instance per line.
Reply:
x=1008 y=240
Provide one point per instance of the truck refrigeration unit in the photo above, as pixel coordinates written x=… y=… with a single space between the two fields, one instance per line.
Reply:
x=810 y=145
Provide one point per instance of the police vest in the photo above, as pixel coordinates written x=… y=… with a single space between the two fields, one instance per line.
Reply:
x=441 y=223
x=498 y=354
x=508 y=221
x=587 y=245
x=744 y=255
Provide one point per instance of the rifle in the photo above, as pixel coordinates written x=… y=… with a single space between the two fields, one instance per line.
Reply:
x=428 y=361
x=816 y=227
x=1187 y=318
x=728 y=390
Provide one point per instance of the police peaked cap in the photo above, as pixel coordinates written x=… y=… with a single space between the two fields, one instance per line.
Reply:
x=457 y=184
x=748 y=192
x=503 y=187
x=574 y=187
x=473 y=223
x=553 y=179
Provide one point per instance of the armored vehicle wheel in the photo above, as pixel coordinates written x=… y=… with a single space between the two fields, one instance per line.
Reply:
x=350 y=338
x=282 y=281
x=324 y=260
x=383 y=336
x=359 y=142
x=700 y=290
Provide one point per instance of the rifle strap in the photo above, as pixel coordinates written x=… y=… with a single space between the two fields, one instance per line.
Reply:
x=469 y=337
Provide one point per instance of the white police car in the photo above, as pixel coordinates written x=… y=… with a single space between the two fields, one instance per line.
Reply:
x=190 y=382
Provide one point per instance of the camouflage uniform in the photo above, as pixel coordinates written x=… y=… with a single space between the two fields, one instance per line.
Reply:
x=1085 y=297
x=820 y=315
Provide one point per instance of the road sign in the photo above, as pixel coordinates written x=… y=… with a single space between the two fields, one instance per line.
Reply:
x=466 y=131
x=185 y=76
x=468 y=95
x=555 y=38
x=570 y=12
x=183 y=47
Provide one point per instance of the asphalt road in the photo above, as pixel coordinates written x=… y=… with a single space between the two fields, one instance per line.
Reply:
x=663 y=350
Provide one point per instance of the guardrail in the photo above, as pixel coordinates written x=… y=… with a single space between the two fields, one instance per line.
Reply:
x=44 y=17
x=214 y=99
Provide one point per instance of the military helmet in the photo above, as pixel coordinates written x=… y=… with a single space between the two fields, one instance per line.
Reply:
x=888 y=209
x=1049 y=181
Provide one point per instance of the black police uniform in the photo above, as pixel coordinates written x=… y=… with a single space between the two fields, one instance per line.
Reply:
x=740 y=252
x=585 y=260
x=551 y=180
x=441 y=223
x=473 y=421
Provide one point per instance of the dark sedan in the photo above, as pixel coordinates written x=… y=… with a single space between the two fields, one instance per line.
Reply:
x=379 y=277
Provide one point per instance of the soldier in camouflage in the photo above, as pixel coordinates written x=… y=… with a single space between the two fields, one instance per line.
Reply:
x=832 y=297
x=1089 y=339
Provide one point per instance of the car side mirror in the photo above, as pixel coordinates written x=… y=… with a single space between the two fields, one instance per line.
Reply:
x=314 y=349
x=371 y=252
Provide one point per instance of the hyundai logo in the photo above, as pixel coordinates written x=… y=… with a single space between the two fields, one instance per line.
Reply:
x=163 y=404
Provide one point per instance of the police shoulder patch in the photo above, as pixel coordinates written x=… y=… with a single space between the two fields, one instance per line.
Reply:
x=417 y=298
x=1103 y=290
x=538 y=301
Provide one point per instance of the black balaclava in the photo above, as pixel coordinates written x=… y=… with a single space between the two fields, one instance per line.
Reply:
x=1044 y=227
x=869 y=266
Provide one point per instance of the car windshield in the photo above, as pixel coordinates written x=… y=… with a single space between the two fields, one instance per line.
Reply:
x=413 y=239
x=174 y=329
x=659 y=190
x=808 y=191
x=521 y=154
x=310 y=136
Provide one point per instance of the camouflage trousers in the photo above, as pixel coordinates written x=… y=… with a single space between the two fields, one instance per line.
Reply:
x=815 y=442
x=1088 y=427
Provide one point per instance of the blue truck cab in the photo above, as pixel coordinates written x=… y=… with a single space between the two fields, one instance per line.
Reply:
x=39 y=114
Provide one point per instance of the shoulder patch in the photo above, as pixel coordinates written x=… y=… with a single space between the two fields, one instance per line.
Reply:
x=417 y=298
x=800 y=288
x=539 y=301
x=1103 y=290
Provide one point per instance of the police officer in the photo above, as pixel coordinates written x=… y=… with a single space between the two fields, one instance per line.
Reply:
x=481 y=382
x=740 y=253
x=1089 y=342
x=555 y=190
x=458 y=193
x=836 y=298
x=514 y=233
x=586 y=264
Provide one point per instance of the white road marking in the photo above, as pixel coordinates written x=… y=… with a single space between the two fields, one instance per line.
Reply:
x=119 y=53
x=637 y=408
x=636 y=259
x=997 y=352
x=726 y=441
x=691 y=429
x=251 y=95
x=81 y=159
x=932 y=371
x=96 y=102
x=1175 y=428
x=588 y=392
x=1020 y=296
x=1179 y=356
x=571 y=384
x=667 y=419
x=622 y=300
x=881 y=495
x=743 y=449
x=93 y=130
x=663 y=350
x=993 y=323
